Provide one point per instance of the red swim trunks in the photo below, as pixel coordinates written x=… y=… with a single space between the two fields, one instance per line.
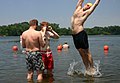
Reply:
x=47 y=59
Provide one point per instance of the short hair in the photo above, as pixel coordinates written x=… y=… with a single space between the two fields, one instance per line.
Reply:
x=33 y=22
x=44 y=23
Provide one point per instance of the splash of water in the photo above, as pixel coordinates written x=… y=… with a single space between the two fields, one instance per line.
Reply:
x=71 y=68
x=97 y=67
x=77 y=67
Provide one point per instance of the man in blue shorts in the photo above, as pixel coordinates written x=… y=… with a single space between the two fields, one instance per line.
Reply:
x=32 y=41
x=80 y=37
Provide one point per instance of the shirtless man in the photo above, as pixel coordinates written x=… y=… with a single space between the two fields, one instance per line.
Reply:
x=32 y=41
x=80 y=37
x=47 y=33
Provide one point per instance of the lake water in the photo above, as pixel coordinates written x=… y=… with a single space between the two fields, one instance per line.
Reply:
x=13 y=67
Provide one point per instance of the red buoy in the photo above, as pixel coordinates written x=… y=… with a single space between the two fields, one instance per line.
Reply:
x=59 y=47
x=106 y=47
x=15 y=48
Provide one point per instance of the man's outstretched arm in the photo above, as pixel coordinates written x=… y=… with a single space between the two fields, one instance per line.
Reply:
x=79 y=4
x=89 y=11
x=94 y=6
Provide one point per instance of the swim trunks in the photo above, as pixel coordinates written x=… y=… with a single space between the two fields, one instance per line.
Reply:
x=47 y=59
x=34 y=61
x=81 y=40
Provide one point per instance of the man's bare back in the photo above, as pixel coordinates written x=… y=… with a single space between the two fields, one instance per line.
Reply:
x=33 y=40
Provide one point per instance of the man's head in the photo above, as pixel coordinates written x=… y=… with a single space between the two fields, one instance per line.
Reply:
x=65 y=42
x=33 y=22
x=87 y=6
x=44 y=24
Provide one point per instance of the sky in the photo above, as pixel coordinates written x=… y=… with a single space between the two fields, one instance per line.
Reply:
x=106 y=14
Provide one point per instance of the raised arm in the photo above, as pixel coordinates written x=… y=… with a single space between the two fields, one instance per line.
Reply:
x=53 y=34
x=92 y=8
x=79 y=4
x=56 y=36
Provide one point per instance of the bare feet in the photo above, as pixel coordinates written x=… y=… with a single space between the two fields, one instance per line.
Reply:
x=39 y=78
x=91 y=72
x=29 y=78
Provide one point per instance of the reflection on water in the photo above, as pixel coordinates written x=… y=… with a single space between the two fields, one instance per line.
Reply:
x=46 y=79
x=13 y=67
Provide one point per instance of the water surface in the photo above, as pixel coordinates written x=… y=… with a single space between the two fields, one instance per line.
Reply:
x=13 y=67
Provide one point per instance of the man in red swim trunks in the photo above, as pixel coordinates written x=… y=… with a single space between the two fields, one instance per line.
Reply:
x=47 y=33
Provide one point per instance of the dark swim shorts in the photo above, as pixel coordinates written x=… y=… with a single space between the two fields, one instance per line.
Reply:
x=81 y=40
x=34 y=61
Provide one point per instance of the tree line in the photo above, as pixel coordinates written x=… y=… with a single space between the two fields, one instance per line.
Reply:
x=17 y=29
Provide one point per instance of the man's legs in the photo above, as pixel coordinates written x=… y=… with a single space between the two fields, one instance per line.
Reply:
x=84 y=58
x=30 y=75
x=91 y=64
x=89 y=58
x=49 y=72
x=40 y=76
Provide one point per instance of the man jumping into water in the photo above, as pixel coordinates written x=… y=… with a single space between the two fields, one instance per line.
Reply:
x=80 y=37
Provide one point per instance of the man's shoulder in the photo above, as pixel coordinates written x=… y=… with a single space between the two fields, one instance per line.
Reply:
x=38 y=31
x=25 y=32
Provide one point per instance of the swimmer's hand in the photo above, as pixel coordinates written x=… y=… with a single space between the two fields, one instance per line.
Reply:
x=49 y=28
